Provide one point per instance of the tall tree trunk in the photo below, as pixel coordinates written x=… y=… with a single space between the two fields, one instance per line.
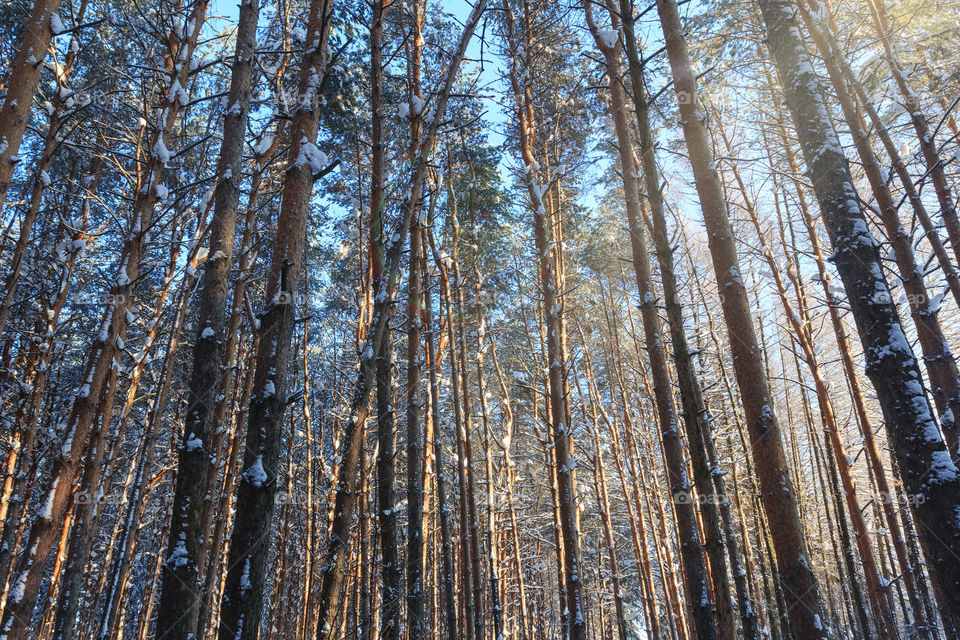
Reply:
x=493 y=562
x=24 y=76
x=939 y=362
x=416 y=420
x=457 y=319
x=446 y=551
x=925 y=464
x=865 y=423
x=101 y=357
x=603 y=505
x=553 y=310
x=387 y=520
x=802 y=333
x=469 y=564
x=83 y=528
x=180 y=592
x=242 y=605
x=334 y=567
x=525 y=624
x=681 y=489
x=778 y=497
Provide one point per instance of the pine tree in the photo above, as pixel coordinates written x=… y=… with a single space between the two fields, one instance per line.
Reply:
x=927 y=468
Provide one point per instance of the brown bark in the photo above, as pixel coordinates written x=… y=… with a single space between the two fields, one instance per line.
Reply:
x=925 y=462
x=180 y=592
x=493 y=561
x=681 y=488
x=778 y=496
x=24 y=75
x=242 y=605
x=100 y=360
x=387 y=520
x=446 y=552
x=603 y=505
x=334 y=567
x=416 y=614
x=553 y=310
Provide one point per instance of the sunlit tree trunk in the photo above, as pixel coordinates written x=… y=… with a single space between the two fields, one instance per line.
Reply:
x=416 y=420
x=242 y=605
x=334 y=566
x=925 y=464
x=777 y=493
x=180 y=592
x=681 y=488
x=24 y=76
x=552 y=309
x=446 y=544
x=101 y=357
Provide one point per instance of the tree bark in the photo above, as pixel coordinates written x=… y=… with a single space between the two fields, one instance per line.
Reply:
x=800 y=588
x=334 y=567
x=681 y=488
x=100 y=361
x=24 y=76
x=925 y=463
x=180 y=588
x=242 y=604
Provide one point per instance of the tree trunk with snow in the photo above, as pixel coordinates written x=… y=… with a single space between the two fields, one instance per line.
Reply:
x=681 y=488
x=929 y=474
x=180 y=592
x=242 y=605
x=416 y=420
x=939 y=362
x=552 y=310
x=41 y=26
x=779 y=499
x=101 y=357
x=334 y=567
x=446 y=544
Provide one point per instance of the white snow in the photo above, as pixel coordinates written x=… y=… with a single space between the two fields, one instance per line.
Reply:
x=160 y=151
x=193 y=442
x=179 y=556
x=47 y=512
x=256 y=475
x=608 y=37
x=245 y=577
x=311 y=155
x=56 y=24
x=264 y=145
x=418 y=104
x=16 y=594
